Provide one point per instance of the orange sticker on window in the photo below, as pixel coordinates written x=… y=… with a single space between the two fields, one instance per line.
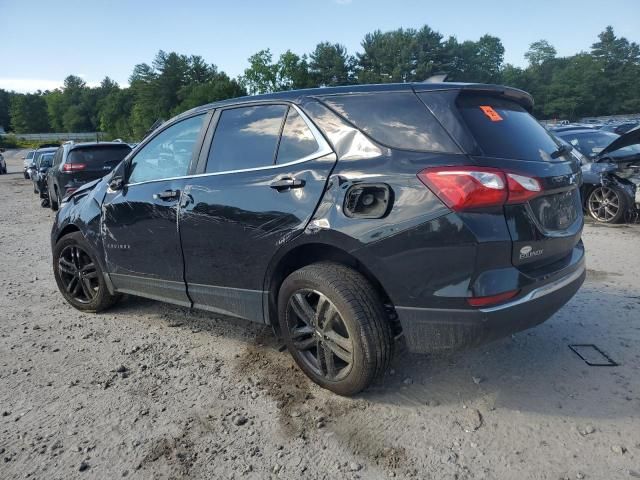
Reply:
x=491 y=113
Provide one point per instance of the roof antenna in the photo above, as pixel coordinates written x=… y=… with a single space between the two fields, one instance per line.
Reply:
x=438 y=77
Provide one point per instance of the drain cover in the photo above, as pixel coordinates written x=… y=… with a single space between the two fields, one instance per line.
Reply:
x=592 y=355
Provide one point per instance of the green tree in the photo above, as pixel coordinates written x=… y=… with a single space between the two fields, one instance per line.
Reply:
x=330 y=65
x=5 y=102
x=262 y=75
x=29 y=113
x=540 y=52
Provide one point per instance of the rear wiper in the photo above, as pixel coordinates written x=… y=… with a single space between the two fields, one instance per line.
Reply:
x=562 y=150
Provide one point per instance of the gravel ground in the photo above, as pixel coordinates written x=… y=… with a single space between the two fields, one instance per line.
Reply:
x=148 y=390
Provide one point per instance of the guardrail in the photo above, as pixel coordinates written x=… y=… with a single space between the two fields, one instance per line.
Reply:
x=88 y=136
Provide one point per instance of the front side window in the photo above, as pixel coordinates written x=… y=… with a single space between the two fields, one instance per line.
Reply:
x=297 y=140
x=246 y=137
x=168 y=154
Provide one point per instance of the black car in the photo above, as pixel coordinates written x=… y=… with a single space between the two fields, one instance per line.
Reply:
x=39 y=175
x=78 y=163
x=611 y=172
x=346 y=218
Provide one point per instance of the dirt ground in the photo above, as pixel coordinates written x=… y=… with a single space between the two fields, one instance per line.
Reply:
x=148 y=390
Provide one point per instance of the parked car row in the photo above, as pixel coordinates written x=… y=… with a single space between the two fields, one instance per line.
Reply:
x=59 y=171
x=610 y=168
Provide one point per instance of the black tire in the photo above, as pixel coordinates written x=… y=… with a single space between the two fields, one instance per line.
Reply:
x=53 y=200
x=359 y=313
x=26 y=176
x=44 y=203
x=607 y=204
x=73 y=259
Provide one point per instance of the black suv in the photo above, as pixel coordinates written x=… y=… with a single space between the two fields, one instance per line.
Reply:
x=346 y=218
x=78 y=163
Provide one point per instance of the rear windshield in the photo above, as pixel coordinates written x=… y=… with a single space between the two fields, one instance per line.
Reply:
x=98 y=156
x=397 y=120
x=30 y=154
x=504 y=129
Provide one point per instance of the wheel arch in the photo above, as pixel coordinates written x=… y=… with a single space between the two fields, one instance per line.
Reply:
x=70 y=228
x=307 y=254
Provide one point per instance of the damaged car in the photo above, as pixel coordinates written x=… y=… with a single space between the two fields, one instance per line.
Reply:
x=439 y=215
x=611 y=173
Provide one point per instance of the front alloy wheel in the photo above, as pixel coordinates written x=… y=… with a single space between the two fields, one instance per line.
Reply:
x=78 y=274
x=606 y=204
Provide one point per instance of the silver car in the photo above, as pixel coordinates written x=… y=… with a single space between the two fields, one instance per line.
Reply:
x=27 y=161
x=3 y=164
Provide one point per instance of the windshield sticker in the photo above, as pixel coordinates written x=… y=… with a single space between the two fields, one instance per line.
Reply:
x=491 y=113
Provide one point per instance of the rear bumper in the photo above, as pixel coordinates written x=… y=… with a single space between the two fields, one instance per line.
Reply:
x=431 y=329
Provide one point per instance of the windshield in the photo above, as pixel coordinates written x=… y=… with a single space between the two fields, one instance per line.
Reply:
x=30 y=155
x=592 y=143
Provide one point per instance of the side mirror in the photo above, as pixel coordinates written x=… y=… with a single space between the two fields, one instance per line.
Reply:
x=116 y=183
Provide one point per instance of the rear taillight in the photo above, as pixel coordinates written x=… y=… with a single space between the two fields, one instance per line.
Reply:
x=522 y=188
x=465 y=188
x=73 y=167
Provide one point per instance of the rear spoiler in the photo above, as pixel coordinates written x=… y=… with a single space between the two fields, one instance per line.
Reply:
x=521 y=97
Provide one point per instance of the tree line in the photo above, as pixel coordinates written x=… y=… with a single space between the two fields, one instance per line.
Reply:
x=601 y=81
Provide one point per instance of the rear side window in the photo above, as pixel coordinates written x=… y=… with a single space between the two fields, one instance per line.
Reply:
x=504 y=129
x=297 y=140
x=397 y=120
x=97 y=157
x=246 y=137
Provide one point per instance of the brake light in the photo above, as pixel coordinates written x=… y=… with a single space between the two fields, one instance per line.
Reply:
x=465 y=188
x=491 y=299
x=73 y=167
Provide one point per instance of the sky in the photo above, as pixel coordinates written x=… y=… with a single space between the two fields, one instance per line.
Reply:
x=43 y=41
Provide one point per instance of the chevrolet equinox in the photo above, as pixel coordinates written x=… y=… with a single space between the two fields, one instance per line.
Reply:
x=345 y=218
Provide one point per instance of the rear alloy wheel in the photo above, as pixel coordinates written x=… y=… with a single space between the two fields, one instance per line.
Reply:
x=335 y=327
x=606 y=204
x=319 y=335
x=79 y=276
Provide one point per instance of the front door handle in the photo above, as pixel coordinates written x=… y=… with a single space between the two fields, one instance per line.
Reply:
x=286 y=183
x=167 y=195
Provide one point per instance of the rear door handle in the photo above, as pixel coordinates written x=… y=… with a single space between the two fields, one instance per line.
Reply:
x=287 y=183
x=167 y=195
